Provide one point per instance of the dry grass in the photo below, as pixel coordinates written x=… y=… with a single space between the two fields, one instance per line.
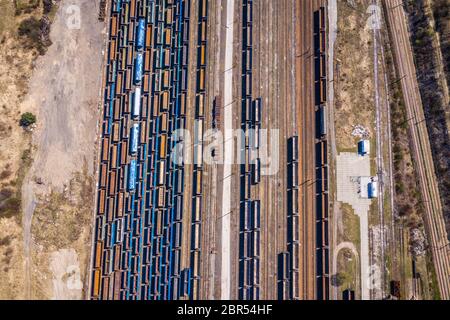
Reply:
x=61 y=221
x=349 y=269
x=354 y=76
x=350 y=228
x=16 y=65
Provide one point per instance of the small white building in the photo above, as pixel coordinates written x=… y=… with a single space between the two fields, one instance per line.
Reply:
x=364 y=147
x=368 y=187
x=372 y=190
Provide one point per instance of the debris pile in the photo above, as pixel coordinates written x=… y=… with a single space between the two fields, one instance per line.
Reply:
x=360 y=131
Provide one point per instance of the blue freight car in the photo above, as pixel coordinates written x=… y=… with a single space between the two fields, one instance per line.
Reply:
x=140 y=38
x=134 y=138
x=138 y=64
x=132 y=175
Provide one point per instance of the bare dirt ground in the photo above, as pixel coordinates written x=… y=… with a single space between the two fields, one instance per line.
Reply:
x=58 y=190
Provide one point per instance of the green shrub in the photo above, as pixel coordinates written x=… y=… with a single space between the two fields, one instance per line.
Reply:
x=27 y=119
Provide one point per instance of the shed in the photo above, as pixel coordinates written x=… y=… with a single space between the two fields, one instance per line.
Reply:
x=364 y=147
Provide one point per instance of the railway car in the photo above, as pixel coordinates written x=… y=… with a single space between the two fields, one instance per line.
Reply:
x=256 y=214
x=140 y=35
x=178 y=208
x=248 y=84
x=201 y=80
x=322 y=91
x=195 y=263
x=178 y=235
x=256 y=172
x=161 y=197
x=293 y=175
x=255 y=138
x=198 y=154
x=246 y=216
x=134 y=138
x=112 y=183
x=132 y=175
x=322 y=66
x=196 y=237
x=284 y=266
x=203 y=32
x=203 y=5
x=184 y=56
x=138 y=64
x=202 y=56
x=198 y=182
x=248 y=37
x=164 y=101
x=137 y=103
x=148 y=63
x=96 y=283
x=293 y=149
x=148 y=36
x=256 y=243
x=200 y=110
x=120 y=205
x=256 y=274
x=247 y=187
x=248 y=13
x=197 y=209
x=98 y=254
x=161 y=172
x=163 y=146
x=115 y=132
x=256 y=112
x=323 y=121
x=248 y=60
x=167 y=37
x=182 y=100
x=293 y=208
x=323 y=41
x=103 y=175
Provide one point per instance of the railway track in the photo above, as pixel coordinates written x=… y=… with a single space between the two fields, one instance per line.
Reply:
x=434 y=219
x=311 y=49
x=250 y=171
x=163 y=228
x=140 y=217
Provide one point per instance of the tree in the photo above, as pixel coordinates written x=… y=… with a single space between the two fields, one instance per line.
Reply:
x=27 y=119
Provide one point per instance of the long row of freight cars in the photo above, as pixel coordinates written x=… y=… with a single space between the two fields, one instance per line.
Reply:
x=137 y=244
x=288 y=284
x=320 y=78
x=250 y=234
x=200 y=101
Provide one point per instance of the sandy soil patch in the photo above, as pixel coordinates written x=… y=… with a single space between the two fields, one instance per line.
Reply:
x=65 y=267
